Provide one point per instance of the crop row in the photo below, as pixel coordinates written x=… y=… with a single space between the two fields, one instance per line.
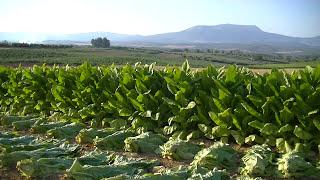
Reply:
x=229 y=104
x=56 y=154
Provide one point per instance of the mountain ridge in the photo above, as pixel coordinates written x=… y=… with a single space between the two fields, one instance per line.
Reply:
x=118 y=36
x=227 y=33
x=229 y=36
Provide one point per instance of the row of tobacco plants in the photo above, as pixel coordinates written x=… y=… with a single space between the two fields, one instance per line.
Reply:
x=146 y=105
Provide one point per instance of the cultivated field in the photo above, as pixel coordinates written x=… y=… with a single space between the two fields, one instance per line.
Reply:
x=162 y=57
x=139 y=122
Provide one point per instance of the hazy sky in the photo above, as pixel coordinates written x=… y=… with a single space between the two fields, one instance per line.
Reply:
x=288 y=17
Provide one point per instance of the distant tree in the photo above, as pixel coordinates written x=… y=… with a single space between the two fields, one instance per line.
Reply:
x=93 y=43
x=5 y=42
x=216 y=51
x=27 y=45
x=100 y=42
x=184 y=56
x=258 y=57
x=288 y=58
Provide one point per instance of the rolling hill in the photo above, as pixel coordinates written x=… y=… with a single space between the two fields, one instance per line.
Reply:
x=229 y=36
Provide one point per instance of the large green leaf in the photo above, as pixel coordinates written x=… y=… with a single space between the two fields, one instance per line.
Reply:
x=316 y=123
x=136 y=105
x=238 y=137
x=302 y=134
x=286 y=115
x=185 y=66
x=220 y=131
x=254 y=139
x=222 y=119
x=285 y=128
x=269 y=129
x=203 y=128
x=231 y=74
x=251 y=110
x=256 y=124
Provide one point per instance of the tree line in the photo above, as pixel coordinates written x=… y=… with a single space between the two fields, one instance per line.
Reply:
x=31 y=45
x=100 y=42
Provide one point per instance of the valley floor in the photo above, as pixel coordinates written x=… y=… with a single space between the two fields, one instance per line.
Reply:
x=162 y=57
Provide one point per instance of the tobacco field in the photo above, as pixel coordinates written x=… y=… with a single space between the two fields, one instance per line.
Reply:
x=142 y=122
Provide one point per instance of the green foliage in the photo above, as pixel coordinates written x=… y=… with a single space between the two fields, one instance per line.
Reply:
x=218 y=155
x=16 y=140
x=43 y=167
x=65 y=132
x=121 y=166
x=43 y=127
x=228 y=104
x=178 y=149
x=293 y=164
x=231 y=104
x=9 y=120
x=46 y=167
x=258 y=161
x=114 y=141
x=100 y=42
x=86 y=136
x=145 y=143
x=213 y=174
x=34 y=150
x=25 y=124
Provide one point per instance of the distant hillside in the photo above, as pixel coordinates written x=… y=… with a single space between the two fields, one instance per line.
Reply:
x=229 y=36
x=228 y=33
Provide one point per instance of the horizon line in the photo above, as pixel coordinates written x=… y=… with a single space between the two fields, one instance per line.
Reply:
x=136 y=34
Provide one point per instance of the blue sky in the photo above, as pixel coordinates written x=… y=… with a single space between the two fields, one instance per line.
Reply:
x=289 y=17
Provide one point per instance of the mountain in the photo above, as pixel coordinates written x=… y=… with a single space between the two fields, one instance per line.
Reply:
x=228 y=33
x=229 y=36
